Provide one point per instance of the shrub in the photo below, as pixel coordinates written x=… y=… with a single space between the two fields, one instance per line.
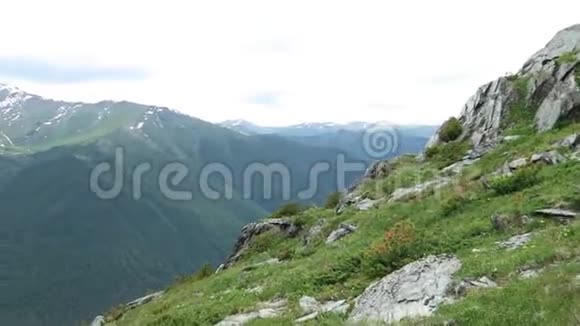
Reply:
x=289 y=209
x=340 y=271
x=286 y=253
x=450 y=130
x=520 y=180
x=397 y=248
x=445 y=154
x=332 y=200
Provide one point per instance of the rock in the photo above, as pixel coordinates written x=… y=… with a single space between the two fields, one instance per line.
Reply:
x=314 y=231
x=504 y=222
x=551 y=157
x=98 y=321
x=367 y=203
x=515 y=242
x=570 y=142
x=250 y=231
x=558 y=214
x=467 y=285
x=339 y=307
x=518 y=163
x=529 y=273
x=343 y=230
x=415 y=290
x=457 y=167
x=273 y=261
x=146 y=299
x=551 y=86
x=403 y=194
x=308 y=304
x=378 y=170
x=265 y=310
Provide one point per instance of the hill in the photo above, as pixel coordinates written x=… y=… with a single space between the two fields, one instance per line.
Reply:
x=482 y=229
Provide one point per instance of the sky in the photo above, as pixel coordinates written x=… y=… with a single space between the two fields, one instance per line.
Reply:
x=275 y=62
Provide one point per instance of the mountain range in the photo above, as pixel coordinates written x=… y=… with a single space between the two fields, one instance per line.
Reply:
x=67 y=254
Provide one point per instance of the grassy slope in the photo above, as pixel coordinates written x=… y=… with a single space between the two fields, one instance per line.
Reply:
x=454 y=220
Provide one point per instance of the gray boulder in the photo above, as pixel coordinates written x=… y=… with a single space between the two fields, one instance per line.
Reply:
x=146 y=299
x=343 y=230
x=412 y=291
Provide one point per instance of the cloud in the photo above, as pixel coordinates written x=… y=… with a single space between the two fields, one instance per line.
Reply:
x=35 y=70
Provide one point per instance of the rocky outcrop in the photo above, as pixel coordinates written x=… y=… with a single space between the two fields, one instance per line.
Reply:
x=413 y=291
x=312 y=308
x=343 y=230
x=250 y=231
x=545 y=82
x=265 y=310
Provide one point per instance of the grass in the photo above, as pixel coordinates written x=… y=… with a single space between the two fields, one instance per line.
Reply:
x=455 y=219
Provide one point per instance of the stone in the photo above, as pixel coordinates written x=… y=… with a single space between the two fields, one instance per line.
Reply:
x=457 y=167
x=529 y=273
x=561 y=215
x=551 y=157
x=570 y=142
x=98 y=321
x=510 y=138
x=266 y=310
x=308 y=304
x=466 y=285
x=415 y=290
x=250 y=231
x=338 y=307
x=313 y=232
x=343 y=230
x=367 y=203
x=403 y=194
x=518 y=163
x=515 y=242
x=146 y=299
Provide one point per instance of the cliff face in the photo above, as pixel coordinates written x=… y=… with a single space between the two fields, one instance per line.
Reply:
x=546 y=88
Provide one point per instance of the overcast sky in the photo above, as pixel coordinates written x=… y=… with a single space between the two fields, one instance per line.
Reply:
x=275 y=62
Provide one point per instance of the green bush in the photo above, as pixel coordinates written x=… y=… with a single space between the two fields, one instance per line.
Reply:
x=445 y=154
x=520 y=180
x=289 y=209
x=332 y=200
x=450 y=130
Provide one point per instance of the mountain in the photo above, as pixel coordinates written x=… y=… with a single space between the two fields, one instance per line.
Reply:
x=349 y=137
x=68 y=252
x=482 y=228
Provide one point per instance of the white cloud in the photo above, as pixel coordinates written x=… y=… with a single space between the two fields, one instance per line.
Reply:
x=407 y=62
